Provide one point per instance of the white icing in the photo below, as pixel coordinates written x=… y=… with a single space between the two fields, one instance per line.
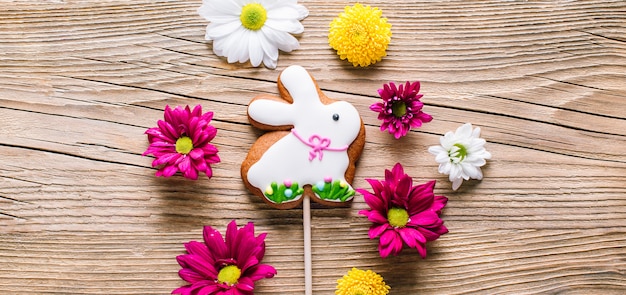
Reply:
x=288 y=158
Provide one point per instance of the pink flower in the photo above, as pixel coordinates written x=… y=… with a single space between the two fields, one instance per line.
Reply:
x=403 y=213
x=401 y=108
x=218 y=267
x=181 y=143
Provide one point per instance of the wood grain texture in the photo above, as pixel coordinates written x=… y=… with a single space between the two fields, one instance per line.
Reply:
x=82 y=213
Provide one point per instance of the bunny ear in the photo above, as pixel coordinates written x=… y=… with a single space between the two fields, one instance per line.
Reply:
x=270 y=112
x=300 y=85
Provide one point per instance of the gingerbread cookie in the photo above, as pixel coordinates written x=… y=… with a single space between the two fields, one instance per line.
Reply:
x=311 y=149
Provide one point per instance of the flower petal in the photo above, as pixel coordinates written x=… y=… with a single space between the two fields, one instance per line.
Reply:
x=255 y=48
x=411 y=237
x=184 y=290
x=269 y=62
x=285 y=25
x=373 y=201
x=200 y=249
x=421 y=249
x=167 y=129
x=245 y=284
x=190 y=276
x=196 y=153
x=167 y=171
x=389 y=237
x=197 y=264
x=184 y=164
x=215 y=242
x=283 y=40
x=384 y=250
x=261 y=271
x=376 y=217
x=421 y=198
x=465 y=131
x=209 y=289
x=438 y=203
x=456 y=183
x=401 y=195
x=376 y=230
x=431 y=235
x=376 y=185
x=221 y=7
x=270 y=50
x=425 y=218
x=221 y=31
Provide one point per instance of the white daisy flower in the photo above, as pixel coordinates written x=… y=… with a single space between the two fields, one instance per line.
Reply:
x=461 y=154
x=254 y=30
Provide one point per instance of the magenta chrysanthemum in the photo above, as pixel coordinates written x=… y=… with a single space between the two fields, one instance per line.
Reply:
x=181 y=142
x=221 y=267
x=401 y=108
x=403 y=213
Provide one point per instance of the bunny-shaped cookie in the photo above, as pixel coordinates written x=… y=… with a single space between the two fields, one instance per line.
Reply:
x=312 y=147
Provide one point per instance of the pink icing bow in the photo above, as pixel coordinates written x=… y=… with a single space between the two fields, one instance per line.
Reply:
x=318 y=144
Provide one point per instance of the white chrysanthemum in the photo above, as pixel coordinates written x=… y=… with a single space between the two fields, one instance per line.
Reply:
x=461 y=154
x=254 y=30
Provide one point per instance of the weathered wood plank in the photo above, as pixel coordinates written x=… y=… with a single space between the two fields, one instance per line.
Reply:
x=82 y=213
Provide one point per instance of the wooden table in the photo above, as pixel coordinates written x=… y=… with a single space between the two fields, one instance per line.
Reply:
x=82 y=213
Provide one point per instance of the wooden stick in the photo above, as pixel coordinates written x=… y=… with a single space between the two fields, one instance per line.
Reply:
x=306 y=224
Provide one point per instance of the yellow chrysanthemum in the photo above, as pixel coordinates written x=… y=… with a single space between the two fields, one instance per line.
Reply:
x=361 y=282
x=360 y=35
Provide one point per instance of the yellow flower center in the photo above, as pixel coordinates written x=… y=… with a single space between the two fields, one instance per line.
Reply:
x=361 y=282
x=253 y=16
x=184 y=145
x=230 y=274
x=398 y=108
x=397 y=217
x=360 y=35
x=457 y=154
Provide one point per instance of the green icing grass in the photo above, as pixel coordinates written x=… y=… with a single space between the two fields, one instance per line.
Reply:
x=334 y=191
x=278 y=192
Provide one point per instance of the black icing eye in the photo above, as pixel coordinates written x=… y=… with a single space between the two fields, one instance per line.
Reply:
x=335 y=117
